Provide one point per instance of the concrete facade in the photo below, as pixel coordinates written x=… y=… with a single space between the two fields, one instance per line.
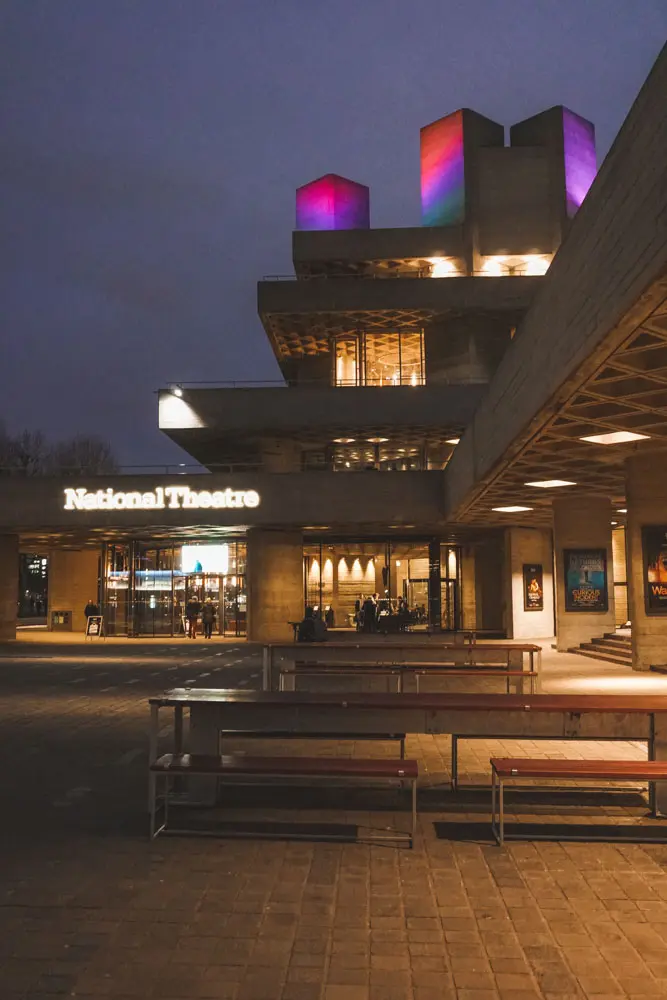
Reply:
x=581 y=523
x=274 y=583
x=9 y=562
x=646 y=491
x=529 y=546
x=73 y=581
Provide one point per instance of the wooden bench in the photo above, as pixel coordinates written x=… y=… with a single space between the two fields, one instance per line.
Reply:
x=241 y=766
x=403 y=670
x=504 y=769
x=288 y=734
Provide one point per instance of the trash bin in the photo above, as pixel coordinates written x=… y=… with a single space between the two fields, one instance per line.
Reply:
x=61 y=621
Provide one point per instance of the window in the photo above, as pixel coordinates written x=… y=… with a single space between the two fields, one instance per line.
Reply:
x=379 y=359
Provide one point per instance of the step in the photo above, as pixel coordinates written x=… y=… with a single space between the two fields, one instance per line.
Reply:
x=607 y=657
x=615 y=637
x=601 y=646
x=610 y=644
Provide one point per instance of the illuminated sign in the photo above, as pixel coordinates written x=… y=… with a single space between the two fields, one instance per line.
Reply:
x=161 y=498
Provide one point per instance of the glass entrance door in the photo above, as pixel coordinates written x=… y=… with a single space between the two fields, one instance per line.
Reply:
x=226 y=592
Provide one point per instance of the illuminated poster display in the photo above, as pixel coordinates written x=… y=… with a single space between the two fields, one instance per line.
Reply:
x=654 y=544
x=533 y=589
x=585 y=580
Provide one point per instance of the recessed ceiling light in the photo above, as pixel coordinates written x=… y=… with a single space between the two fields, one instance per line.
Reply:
x=177 y=391
x=615 y=437
x=622 y=510
x=546 y=484
x=377 y=440
x=453 y=440
x=614 y=522
x=511 y=510
x=343 y=440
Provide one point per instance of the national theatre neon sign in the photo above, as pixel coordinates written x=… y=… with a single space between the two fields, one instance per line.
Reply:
x=161 y=498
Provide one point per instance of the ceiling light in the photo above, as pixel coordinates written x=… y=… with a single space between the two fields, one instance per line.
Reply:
x=547 y=484
x=177 y=391
x=377 y=440
x=442 y=267
x=622 y=510
x=615 y=437
x=343 y=440
x=614 y=522
x=511 y=510
x=452 y=440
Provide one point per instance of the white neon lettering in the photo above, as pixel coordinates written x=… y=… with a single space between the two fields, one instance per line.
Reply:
x=178 y=497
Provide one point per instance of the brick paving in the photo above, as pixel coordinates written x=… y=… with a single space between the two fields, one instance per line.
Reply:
x=90 y=908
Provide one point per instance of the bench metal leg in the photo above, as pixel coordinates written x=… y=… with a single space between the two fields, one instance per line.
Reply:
x=414 y=812
x=501 y=812
x=455 y=762
x=152 y=752
x=493 y=803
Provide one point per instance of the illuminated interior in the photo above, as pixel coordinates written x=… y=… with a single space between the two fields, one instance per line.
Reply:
x=339 y=576
x=379 y=359
x=515 y=265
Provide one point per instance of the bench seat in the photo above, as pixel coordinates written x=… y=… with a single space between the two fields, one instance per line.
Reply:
x=505 y=769
x=242 y=765
x=283 y=734
x=402 y=670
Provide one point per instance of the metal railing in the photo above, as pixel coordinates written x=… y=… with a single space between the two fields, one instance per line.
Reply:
x=515 y=272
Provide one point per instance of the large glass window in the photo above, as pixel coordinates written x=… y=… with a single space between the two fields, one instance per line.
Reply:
x=394 y=576
x=147 y=587
x=379 y=359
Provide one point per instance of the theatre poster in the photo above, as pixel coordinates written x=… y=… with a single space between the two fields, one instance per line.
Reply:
x=533 y=588
x=585 y=580
x=654 y=544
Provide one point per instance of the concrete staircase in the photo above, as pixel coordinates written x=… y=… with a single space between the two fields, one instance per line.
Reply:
x=612 y=647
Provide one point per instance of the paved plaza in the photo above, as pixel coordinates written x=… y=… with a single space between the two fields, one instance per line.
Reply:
x=92 y=909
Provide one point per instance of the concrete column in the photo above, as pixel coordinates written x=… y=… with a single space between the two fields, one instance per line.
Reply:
x=468 y=599
x=490 y=597
x=9 y=586
x=275 y=583
x=73 y=581
x=646 y=497
x=529 y=547
x=280 y=455
x=582 y=522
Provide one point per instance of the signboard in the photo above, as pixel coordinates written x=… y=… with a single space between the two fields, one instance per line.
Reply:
x=94 y=626
x=586 y=580
x=533 y=590
x=654 y=544
x=161 y=498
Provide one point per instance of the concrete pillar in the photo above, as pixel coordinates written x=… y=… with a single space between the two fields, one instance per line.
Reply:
x=9 y=586
x=490 y=597
x=274 y=578
x=468 y=599
x=529 y=548
x=73 y=581
x=280 y=455
x=582 y=522
x=646 y=500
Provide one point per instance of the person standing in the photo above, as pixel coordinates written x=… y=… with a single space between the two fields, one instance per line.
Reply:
x=208 y=618
x=91 y=609
x=192 y=610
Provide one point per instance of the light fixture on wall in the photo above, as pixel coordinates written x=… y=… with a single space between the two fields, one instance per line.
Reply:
x=511 y=509
x=452 y=440
x=547 y=484
x=615 y=437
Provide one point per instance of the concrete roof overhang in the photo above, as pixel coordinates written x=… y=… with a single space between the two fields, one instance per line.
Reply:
x=301 y=316
x=590 y=356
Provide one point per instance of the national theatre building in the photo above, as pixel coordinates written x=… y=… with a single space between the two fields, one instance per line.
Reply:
x=471 y=420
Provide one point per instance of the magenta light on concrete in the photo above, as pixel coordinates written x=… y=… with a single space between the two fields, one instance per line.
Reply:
x=579 y=153
x=442 y=174
x=333 y=202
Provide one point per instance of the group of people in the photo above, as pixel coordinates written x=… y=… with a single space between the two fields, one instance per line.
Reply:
x=194 y=610
x=377 y=614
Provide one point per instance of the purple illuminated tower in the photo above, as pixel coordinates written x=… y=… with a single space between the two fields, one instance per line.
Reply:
x=442 y=171
x=333 y=202
x=579 y=157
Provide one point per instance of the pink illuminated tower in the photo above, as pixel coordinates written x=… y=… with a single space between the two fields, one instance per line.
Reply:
x=333 y=202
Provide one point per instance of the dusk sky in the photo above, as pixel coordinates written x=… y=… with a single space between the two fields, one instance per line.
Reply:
x=151 y=149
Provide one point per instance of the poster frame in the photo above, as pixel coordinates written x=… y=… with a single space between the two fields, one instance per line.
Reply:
x=646 y=530
x=596 y=553
x=533 y=570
